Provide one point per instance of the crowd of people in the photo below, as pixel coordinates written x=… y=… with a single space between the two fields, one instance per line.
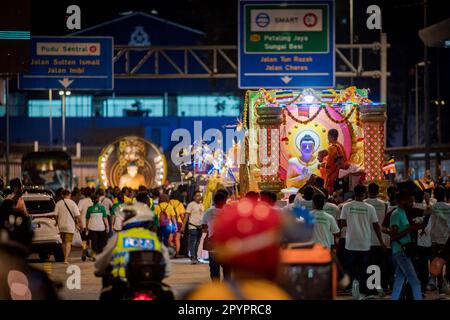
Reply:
x=400 y=232
x=96 y=218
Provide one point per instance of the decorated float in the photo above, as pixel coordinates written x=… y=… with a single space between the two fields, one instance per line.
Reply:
x=288 y=130
x=212 y=169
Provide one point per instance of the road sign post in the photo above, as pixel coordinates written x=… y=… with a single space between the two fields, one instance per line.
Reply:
x=50 y=120
x=286 y=44
x=63 y=119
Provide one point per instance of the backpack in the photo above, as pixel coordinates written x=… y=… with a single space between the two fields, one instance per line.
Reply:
x=164 y=220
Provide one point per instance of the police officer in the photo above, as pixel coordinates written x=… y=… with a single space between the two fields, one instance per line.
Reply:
x=136 y=235
x=18 y=280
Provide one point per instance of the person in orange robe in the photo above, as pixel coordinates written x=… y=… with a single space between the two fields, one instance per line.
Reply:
x=335 y=149
x=322 y=156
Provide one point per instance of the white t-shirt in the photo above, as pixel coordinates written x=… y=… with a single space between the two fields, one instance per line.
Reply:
x=83 y=205
x=324 y=228
x=208 y=219
x=66 y=223
x=118 y=222
x=308 y=204
x=195 y=211
x=360 y=217
x=107 y=203
x=343 y=234
x=96 y=213
x=440 y=222
x=380 y=208
x=424 y=240
x=332 y=210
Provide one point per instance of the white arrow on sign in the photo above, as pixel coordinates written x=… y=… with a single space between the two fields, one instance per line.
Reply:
x=65 y=82
x=286 y=79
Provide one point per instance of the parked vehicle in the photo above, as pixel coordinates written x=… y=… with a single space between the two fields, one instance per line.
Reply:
x=46 y=240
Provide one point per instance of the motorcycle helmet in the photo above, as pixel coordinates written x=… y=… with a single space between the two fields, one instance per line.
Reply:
x=247 y=237
x=136 y=214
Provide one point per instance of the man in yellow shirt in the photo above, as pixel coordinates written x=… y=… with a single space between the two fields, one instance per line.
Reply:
x=167 y=219
x=179 y=212
x=246 y=238
x=127 y=197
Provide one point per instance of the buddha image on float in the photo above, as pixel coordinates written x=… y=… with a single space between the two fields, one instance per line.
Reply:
x=132 y=162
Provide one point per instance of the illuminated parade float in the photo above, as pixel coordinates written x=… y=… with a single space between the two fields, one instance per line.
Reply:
x=288 y=131
x=132 y=162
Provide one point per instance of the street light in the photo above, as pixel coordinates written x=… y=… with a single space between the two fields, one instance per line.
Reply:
x=63 y=95
x=420 y=64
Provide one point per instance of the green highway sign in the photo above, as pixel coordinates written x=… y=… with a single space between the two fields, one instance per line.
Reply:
x=293 y=29
x=286 y=44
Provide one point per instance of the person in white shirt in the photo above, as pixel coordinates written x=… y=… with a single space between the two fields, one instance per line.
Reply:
x=97 y=225
x=325 y=227
x=305 y=199
x=107 y=203
x=423 y=241
x=193 y=221
x=104 y=201
x=340 y=252
x=333 y=210
x=69 y=221
x=440 y=222
x=290 y=203
x=360 y=218
x=378 y=255
x=83 y=206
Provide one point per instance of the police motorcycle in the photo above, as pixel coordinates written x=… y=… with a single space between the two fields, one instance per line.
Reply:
x=134 y=262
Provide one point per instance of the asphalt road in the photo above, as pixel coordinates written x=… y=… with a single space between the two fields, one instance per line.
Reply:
x=184 y=276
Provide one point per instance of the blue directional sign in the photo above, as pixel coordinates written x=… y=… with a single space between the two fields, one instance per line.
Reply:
x=75 y=63
x=286 y=44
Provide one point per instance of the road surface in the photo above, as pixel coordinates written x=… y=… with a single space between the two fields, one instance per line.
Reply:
x=184 y=276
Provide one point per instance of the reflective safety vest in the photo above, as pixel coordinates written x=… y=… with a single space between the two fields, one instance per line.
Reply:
x=135 y=239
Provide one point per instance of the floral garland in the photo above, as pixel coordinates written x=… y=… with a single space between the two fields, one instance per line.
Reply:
x=302 y=121
x=324 y=107
x=358 y=117
x=350 y=93
x=344 y=119
x=266 y=95
x=245 y=112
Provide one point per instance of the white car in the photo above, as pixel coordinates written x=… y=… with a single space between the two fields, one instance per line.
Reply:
x=46 y=239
